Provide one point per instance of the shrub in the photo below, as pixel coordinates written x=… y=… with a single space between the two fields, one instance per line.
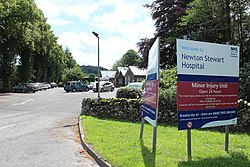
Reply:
x=129 y=93
x=244 y=87
x=167 y=92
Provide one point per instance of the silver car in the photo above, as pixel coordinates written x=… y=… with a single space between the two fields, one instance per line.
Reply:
x=104 y=86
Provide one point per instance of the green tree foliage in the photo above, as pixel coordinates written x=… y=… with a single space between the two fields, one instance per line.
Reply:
x=92 y=77
x=240 y=28
x=10 y=34
x=207 y=21
x=220 y=21
x=116 y=64
x=217 y=21
x=73 y=70
x=70 y=62
x=73 y=74
x=244 y=88
x=25 y=34
x=167 y=88
x=91 y=69
x=166 y=14
x=130 y=58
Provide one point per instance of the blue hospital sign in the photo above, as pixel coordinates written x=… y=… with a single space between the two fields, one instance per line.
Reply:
x=207 y=85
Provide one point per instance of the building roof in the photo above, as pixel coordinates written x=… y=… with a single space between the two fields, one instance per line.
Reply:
x=108 y=74
x=138 y=72
x=123 y=70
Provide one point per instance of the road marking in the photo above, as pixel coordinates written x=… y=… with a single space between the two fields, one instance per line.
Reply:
x=4 y=127
x=23 y=102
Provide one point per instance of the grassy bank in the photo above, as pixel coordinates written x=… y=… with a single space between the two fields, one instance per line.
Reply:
x=119 y=144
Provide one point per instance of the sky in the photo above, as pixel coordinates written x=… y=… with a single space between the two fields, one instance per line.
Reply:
x=120 y=25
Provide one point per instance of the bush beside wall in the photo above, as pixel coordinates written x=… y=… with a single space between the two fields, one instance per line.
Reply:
x=128 y=110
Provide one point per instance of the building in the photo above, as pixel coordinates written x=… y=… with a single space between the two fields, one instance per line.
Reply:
x=120 y=76
x=108 y=76
x=134 y=74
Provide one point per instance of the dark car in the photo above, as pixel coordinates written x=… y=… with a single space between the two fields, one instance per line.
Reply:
x=75 y=86
x=53 y=85
x=24 y=87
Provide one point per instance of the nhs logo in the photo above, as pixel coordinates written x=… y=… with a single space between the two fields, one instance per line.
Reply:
x=234 y=49
x=234 y=52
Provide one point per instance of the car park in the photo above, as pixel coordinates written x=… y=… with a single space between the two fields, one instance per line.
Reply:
x=75 y=86
x=24 y=88
x=104 y=86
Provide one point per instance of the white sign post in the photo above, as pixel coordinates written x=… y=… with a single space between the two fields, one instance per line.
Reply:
x=149 y=107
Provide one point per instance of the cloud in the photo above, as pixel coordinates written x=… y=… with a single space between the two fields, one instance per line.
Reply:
x=59 y=22
x=121 y=24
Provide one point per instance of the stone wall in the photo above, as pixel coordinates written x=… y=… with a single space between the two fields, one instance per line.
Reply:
x=128 y=110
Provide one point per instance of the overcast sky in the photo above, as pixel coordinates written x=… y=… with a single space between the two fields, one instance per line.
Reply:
x=119 y=23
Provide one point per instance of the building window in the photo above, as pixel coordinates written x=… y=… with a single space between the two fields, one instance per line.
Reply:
x=120 y=80
x=128 y=79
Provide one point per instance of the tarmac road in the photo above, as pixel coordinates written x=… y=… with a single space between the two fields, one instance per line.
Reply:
x=40 y=129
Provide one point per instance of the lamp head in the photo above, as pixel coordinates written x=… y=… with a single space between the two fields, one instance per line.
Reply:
x=97 y=35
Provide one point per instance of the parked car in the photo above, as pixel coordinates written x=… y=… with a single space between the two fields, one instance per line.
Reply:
x=43 y=85
x=40 y=86
x=138 y=85
x=91 y=85
x=104 y=86
x=24 y=87
x=48 y=86
x=75 y=86
x=53 y=85
x=37 y=86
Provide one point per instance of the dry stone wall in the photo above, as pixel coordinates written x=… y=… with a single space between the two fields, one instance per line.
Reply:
x=128 y=110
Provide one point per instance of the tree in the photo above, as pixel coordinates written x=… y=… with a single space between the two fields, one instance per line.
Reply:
x=73 y=74
x=92 y=77
x=25 y=34
x=70 y=60
x=208 y=21
x=240 y=30
x=130 y=58
x=17 y=19
x=116 y=64
x=220 y=21
x=166 y=14
x=217 y=21
x=91 y=69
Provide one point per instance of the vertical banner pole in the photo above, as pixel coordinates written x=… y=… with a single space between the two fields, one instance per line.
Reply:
x=142 y=127
x=226 y=129
x=226 y=137
x=189 y=149
x=189 y=144
x=154 y=139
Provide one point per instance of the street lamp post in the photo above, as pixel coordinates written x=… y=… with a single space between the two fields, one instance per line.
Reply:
x=97 y=36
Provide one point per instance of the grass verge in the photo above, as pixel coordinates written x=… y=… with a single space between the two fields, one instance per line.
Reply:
x=119 y=144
